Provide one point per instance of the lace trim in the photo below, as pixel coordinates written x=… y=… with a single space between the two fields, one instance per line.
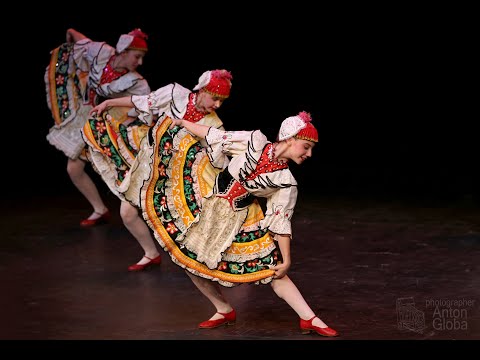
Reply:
x=68 y=138
x=106 y=170
x=139 y=173
x=215 y=231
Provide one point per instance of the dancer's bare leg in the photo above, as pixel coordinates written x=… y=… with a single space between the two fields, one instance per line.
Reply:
x=212 y=290
x=139 y=229
x=286 y=290
x=83 y=182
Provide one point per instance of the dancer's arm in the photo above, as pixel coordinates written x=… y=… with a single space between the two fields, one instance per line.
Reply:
x=125 y=101
x=196 y=129
x=73 y=36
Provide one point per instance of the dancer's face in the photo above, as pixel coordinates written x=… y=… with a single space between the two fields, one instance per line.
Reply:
x=132 y=59
x=207 y=102
x=299 y=150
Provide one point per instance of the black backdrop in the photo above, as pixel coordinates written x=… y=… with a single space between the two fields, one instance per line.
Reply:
x=384 y=87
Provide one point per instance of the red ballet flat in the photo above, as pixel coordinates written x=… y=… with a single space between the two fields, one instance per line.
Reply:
x=228 y=319
x=103 y=219
x=138 y=267
x=306 y=326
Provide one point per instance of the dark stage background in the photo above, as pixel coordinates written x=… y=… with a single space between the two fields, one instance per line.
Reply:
x=384 y=87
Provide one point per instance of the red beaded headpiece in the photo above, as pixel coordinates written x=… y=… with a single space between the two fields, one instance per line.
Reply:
x=308 y=132
x=298 y=126
x=216 y=82
x=139 y=41
x=134 y=40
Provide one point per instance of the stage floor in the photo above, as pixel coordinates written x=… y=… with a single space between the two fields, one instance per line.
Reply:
x=373 y=270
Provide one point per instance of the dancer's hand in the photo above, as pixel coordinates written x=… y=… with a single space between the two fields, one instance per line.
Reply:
x=99 y=109
x=281 y=270
x=176 y=122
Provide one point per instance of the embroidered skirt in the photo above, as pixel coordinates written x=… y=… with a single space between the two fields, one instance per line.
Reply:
x=200 y=231
x=63 y=85
x=113 y=141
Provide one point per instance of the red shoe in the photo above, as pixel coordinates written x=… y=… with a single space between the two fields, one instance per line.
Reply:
x=306 y=326
x=138 y=267
x=103 y=219
x=228 y=319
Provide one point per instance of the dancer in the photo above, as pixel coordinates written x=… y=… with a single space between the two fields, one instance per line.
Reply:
x=81 y=73
x=115 y=155
x=214 y=237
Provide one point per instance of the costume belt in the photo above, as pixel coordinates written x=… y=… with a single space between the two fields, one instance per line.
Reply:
x=230 y=189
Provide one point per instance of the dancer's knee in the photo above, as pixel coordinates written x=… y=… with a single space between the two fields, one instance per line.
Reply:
x=75 y=168
x=279 y=286
x=128 y=212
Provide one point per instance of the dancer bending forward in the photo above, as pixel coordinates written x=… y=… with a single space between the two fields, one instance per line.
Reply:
x=214 y=236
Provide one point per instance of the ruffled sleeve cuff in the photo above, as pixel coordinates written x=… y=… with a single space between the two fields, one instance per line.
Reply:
x=280 y=208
